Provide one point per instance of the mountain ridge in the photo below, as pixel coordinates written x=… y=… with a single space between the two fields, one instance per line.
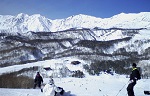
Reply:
x=102 y=43
x=24 y=23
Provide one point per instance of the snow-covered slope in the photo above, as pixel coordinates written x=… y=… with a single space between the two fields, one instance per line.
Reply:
x=102 y=85
x=118 y=40
x=23 y=22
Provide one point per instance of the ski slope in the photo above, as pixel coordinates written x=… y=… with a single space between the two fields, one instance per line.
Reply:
x=103 y=85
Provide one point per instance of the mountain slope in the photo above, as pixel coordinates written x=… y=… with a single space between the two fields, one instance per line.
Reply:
x=24 y=23
x=109 y=43
x=96 y=46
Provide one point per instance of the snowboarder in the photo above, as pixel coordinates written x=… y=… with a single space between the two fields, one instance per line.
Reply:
x=50 y=89
x=134 y=76
x=38 y=80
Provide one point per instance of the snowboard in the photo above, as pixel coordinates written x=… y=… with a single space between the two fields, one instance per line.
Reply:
x=147 y=92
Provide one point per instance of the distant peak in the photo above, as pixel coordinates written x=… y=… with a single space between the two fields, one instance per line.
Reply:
x=20 y=15
x=37 y=16
x=81 y=16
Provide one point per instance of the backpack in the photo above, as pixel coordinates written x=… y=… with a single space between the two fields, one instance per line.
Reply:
x=138 y=76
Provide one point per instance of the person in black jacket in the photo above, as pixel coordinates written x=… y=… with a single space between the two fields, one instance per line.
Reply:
x=134 y=76
x=38 y=80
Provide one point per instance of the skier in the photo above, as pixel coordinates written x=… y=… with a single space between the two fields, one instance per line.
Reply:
x=134 y=76
x=38 y=80
x=50 y=89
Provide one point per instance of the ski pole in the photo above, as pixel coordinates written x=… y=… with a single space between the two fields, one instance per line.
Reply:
x=121 y=89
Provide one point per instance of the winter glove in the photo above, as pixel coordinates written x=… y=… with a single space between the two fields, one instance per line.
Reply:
x=131 y=81
x=136 y=79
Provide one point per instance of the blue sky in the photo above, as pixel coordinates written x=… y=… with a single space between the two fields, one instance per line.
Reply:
x=58 y=9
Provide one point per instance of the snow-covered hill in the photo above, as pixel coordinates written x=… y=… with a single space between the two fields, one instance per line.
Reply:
x=102 y=85
x=24 y=23
x=32 y=43
x=98 y=46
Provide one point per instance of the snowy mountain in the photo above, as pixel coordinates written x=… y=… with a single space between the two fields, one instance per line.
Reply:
x=102 y=43
x=81 y=46
x=24 y=23
x=97 y=46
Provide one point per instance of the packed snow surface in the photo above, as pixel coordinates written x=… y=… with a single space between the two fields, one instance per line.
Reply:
x=103 y=85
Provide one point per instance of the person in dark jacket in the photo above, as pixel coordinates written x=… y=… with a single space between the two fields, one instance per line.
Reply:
x=134 y=76
x=38 y=80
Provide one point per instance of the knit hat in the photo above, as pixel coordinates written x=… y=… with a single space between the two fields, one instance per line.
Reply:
x=134 y=65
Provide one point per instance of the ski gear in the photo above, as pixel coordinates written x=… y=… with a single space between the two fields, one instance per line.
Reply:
x=130 y=89
x=38 y=80
x=131 y=81
x=134 y=76
x=121 y=89
x=134 y=65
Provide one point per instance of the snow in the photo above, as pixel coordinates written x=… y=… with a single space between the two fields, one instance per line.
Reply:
x=20 y=92
x=102 y=85
x=24 y=23
x=143 y=34
x=143 y=37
